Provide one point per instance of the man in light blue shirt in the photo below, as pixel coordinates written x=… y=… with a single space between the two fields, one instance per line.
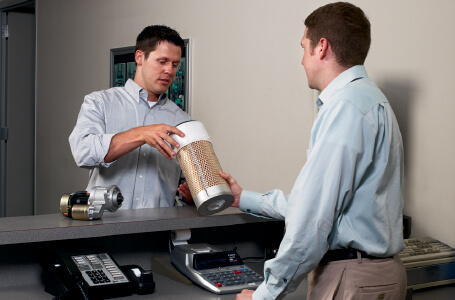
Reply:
x=344 y=214
x=122 y=134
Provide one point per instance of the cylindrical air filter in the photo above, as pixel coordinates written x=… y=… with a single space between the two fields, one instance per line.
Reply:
x=200 y=166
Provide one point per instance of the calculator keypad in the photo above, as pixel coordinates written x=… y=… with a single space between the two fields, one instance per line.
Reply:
x=228 y=277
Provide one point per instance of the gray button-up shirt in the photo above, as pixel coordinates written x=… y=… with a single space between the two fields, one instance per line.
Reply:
x=145 y=177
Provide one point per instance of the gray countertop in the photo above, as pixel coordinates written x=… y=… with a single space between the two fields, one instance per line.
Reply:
x=53 y=227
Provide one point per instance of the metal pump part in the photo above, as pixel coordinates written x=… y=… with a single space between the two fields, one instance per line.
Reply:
x=91 y=206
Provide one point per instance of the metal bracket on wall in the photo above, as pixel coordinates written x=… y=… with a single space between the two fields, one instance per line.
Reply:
x=5 y=31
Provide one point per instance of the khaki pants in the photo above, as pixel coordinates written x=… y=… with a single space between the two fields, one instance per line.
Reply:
x=360 y=278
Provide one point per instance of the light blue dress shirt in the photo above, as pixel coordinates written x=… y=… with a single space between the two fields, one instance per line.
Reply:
x=145 y=177
x=349 y=192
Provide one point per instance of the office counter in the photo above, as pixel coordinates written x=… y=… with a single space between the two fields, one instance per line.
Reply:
x=141 y=237
x=138 y=237
x=56 y=227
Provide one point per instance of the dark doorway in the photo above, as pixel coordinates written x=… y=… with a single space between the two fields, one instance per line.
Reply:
x=17 y=109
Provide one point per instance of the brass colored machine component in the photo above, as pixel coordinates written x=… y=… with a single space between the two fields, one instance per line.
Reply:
x=91 y=206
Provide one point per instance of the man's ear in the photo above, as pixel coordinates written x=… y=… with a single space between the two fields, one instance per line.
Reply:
x=139 y=57
x=323 y=48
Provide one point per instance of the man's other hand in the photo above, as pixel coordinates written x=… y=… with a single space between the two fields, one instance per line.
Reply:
x=245 y=295
x=184 y=190
x=235 y=188
x=158 y=137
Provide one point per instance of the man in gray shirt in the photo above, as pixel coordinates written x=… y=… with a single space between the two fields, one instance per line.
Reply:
x=122 y=134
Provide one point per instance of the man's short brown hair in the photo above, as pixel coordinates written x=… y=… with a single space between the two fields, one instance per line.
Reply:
x=153 y=35
x=346 y=28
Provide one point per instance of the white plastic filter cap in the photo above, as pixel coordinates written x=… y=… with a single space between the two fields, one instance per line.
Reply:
x=194 y=131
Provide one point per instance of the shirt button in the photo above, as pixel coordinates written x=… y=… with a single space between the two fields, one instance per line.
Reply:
x=285 y=280
x=140 y=176
x=144 y=154
x=381 y=296
x=137 y=199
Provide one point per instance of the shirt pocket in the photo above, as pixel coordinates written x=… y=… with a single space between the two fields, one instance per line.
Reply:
x=169 y=177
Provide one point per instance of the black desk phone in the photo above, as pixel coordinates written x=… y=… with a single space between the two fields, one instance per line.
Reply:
x=92 y=274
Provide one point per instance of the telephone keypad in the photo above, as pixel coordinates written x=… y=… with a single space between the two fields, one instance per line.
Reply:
x=99 y=269
x=98 y=276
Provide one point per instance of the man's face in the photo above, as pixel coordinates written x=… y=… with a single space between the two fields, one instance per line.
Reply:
x=157 y=72
x=309 y=61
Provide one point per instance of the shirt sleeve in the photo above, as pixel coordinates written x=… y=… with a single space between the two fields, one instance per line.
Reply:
x=272 y=204
x=321 y=192
x=88 y=141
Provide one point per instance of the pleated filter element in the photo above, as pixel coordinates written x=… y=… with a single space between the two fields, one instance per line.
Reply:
x=200 y=166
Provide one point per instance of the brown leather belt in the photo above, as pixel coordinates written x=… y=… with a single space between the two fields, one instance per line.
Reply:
x=343 y=254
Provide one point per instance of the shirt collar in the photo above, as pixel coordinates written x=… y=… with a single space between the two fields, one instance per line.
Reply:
x=138 y=93
x=351 y=74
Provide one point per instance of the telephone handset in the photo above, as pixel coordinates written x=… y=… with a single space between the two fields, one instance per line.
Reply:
x=92 y=274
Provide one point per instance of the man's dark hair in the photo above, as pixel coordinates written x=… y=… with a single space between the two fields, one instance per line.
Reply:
x=346 y=28
x=152 y=36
